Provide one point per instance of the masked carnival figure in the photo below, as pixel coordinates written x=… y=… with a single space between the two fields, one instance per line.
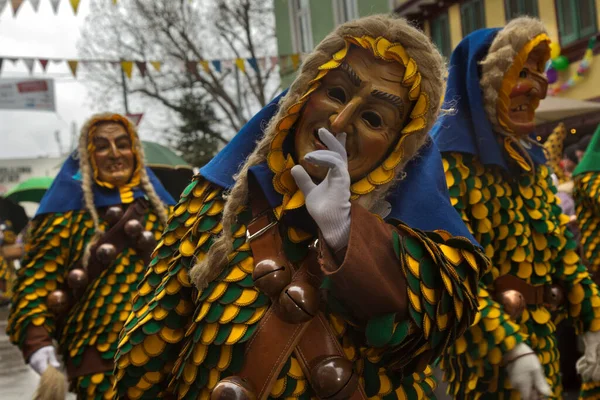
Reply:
x=9 y=251
x=499 y=183
x=296 y=265
x=92 y=236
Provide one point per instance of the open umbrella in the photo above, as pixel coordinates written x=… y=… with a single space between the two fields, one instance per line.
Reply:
x=32 y=189
x=172 y=170
x=14 y=213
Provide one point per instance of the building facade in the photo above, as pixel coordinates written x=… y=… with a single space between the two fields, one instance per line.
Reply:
x=571 y=23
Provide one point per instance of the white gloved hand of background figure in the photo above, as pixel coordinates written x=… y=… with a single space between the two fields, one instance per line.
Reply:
x=329 y=201
x=526 y=373
x=43 y=357
x=588 y=366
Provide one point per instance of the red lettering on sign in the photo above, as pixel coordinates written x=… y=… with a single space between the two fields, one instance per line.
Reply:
x=32 y=86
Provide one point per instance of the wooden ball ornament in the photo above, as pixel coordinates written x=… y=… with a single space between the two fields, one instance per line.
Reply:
x=271 y=276
x=233 y=388
x=133 y=228
x=113 y=215
x=77 y=278
x=57 y=302
x=106 y=253
x=146 y=241
x=513 y=302
x=333 y=378
x=299 y=302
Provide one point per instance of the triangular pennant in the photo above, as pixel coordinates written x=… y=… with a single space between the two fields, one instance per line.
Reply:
x=114 y=2
x=29 y=63
x=240 y=64
x=217 y=65
x=142 y=67
x=15 y=6
x=262 y=63
x=135 y=118
x=253 y=63
x=55 y=4
x=73 y=66
x=295 y=60
x=74 y=5
x=274 y=60
x=127 y=67
x=35 y=4
x=192 y=67
x=13 y=60
x=3 y=4
x=156 y=65
x=44 y=63
x=227 y=64
x=204 y=64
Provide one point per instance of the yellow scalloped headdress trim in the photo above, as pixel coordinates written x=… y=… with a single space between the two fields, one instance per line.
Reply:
x=511 y=76
x=125 y=191
x=384 y=49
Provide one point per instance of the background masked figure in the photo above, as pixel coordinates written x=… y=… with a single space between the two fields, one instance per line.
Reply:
x=8 y=253
x=501 y=186
x=217 y=304
x=92 y=237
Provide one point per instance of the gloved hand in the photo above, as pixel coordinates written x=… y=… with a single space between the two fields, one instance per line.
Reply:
x=329 y=201
x=525 y=372
x=40 y=359
x=588 y=366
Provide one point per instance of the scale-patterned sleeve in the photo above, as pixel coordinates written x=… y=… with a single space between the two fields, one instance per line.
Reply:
x=477 y=355
x=583 y=299
x=587 y=206
x=30 y=324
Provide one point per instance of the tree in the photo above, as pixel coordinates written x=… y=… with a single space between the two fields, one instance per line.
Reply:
x=179 y=34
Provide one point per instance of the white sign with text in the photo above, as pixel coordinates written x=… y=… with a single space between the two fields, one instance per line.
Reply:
x=27 y=94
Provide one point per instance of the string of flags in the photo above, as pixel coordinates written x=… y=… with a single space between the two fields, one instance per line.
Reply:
x=192 y=67
x=35 y=4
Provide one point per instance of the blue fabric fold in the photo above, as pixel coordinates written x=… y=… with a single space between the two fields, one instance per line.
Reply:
x=421 y=200
x=467 y=129
x=65 y=193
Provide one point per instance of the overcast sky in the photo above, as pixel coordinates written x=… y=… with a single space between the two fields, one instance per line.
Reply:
x=43 y=34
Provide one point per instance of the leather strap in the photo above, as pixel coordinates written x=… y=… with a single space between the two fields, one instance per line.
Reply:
x=533 y=295
x=275 y=339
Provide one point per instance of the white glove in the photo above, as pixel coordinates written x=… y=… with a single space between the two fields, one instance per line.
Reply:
x=588 y=366
x=526 y=373
x=329 y=201
x=40 y=359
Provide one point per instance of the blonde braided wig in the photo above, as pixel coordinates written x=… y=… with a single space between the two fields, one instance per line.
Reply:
x=422 y=53
x=87 y=173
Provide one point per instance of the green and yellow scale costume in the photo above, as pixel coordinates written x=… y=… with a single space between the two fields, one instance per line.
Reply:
x=56 y=244
x=179 y=341
x=519 y=223
x=7 y=271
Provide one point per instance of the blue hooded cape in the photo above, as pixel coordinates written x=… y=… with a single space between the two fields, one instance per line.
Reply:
x=65 y=193
x=421 y=200
x=468 y=129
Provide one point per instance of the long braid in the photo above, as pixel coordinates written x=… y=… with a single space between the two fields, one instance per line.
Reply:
x=431 y=67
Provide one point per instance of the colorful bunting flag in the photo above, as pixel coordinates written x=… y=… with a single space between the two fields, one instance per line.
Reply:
x=29 y=63
x=114 y=2
x=44 y=63
x=262 y=63
x=217 y=65
x=16 y=4
x=240 y=64
x=74 y=5
x=192 y=67
x=205 y=66
x=34 y=3
x=295 y=60
x=253 y=63
x=274 y=60
x=141 y=67
x=227 y=64
x=155 y=64
x=127 y=67
x=55 y=4
x=73 y=66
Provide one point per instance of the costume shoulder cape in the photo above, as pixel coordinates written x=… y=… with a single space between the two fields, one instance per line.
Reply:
x=465 y=127
x=591 y=159
x=65 y=193
x=420 y=200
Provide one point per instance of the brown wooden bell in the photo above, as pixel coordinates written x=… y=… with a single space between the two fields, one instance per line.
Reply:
x=77 y=278
x=298 y=302
x=57 y=302
x=113 y=215
x=133 y=228
x=233 y=388
x=333 y=378
x=271 y=276
x=554 y=297
x=513 y=302
x=106 y=253
x=146 y=241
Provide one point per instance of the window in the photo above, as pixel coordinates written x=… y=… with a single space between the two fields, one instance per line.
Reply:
x=472 y=16
x=301 y=26
x=440 y=34
x=516 y=8
x=576 y=20
x=344 y=10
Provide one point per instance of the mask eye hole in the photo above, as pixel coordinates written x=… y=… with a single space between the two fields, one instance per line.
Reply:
x=373 y=119
x=338 y=94
x=523 y=74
